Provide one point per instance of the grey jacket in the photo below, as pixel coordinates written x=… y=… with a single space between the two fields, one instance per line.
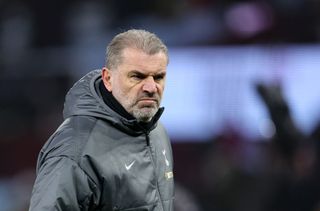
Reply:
x=98 y=160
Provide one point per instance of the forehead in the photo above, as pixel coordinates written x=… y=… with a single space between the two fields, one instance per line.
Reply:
x=136 y=59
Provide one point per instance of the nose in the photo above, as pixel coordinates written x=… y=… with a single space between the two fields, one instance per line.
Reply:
x=149 y=85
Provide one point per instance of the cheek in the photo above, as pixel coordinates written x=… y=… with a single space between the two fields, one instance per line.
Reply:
x=129 y=92
x=120 y=85
x=160 y=88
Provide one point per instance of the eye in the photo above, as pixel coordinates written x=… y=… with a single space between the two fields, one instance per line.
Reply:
x=159 y=77
x=137 y=76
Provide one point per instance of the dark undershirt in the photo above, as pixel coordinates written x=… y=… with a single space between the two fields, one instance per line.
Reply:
x=109 y=99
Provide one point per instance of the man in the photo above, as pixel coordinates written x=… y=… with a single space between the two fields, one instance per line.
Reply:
x=111 y=153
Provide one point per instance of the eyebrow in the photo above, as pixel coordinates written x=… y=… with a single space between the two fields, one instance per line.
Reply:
x=162 y=73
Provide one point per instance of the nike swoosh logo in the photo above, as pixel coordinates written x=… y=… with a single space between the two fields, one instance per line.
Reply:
x=128 y=167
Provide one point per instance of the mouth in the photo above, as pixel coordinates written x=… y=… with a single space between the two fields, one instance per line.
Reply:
x=148 y=101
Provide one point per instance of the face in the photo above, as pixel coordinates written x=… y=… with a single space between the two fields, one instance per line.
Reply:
x=138 y=82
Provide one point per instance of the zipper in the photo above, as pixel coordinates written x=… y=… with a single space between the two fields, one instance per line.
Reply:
x=148 y=140
x=154 y=167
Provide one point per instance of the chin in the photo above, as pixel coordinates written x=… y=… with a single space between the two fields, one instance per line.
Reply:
x=145 y=114
x=144 y=120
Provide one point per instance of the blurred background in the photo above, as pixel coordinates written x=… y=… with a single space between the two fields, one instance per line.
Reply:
x=242 y=97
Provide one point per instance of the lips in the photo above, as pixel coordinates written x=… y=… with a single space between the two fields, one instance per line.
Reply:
x=148 y=101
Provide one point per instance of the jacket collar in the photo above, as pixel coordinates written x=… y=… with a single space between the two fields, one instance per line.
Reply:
x=145 y=127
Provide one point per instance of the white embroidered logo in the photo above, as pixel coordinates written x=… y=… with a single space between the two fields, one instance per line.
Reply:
x=128 y=167
x=165 y=157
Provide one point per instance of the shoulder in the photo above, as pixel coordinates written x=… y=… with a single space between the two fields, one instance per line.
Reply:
x=69 y=139
x=160 y=130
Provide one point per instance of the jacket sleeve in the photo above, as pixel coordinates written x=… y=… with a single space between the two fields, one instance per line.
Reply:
x=62 y=185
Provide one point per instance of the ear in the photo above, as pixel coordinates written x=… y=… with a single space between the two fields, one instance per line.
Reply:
x=106 y=78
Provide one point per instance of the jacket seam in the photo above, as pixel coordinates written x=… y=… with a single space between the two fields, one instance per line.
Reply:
x=88 y=135
x=78 y=156
x=74 y=161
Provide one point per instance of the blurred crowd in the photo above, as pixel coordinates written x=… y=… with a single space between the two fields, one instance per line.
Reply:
x=232 y=174
x=41 y=42
x=35 y=23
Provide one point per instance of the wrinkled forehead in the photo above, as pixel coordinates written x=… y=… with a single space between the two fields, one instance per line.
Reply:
x=138 y=60
x=132 y=52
